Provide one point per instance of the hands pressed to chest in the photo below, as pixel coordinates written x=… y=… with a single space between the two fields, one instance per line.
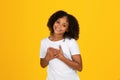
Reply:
x=54 y=53
x=75 y=63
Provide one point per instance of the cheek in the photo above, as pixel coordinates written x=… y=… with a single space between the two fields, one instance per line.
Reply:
x=55 y=23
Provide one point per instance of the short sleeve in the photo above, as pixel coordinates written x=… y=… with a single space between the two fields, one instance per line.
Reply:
x=74 y=49
x=42 y=50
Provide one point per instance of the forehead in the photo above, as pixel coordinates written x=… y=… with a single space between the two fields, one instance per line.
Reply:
x=64 y=18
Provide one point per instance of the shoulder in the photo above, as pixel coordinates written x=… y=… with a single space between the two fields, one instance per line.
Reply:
x=73 y=46
x=72 y=40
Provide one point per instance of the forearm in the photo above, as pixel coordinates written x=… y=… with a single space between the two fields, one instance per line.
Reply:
x=44 y=62
x=72 y=64
x=49 y=55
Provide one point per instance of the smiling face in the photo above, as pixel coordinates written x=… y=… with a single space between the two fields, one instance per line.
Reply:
x=61 y=26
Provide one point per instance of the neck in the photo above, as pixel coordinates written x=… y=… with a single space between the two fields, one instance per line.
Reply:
x=55 y=37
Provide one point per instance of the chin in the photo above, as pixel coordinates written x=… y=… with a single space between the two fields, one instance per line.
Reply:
x=57 y=33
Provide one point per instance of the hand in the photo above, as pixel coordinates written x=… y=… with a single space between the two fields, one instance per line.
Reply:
x=60 y=54
x=51 y=53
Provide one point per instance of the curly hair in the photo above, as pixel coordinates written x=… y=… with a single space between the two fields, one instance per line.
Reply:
x=73 y=28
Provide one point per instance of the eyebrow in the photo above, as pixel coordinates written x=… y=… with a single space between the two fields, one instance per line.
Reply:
x=67 y=23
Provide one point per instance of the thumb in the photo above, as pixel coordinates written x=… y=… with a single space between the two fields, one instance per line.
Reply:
x=60 y=48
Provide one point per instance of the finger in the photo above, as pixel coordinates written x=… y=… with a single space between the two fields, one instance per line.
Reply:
x=56 y=55
x=60 y=48
x=57 y=51
x=49 y=48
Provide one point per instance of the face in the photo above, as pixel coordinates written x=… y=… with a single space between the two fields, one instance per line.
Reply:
x=61 y=26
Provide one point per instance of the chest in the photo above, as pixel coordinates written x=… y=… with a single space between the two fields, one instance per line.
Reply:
x=64 y=46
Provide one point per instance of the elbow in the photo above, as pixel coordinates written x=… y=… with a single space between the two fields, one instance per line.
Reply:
x=43 y=66
x=79 y=69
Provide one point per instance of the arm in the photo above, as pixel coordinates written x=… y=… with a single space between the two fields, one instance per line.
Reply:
x=75 y=63
x=51 y=53
x=44 y=62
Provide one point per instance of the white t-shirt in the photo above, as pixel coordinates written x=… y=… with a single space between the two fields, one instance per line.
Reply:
x=58 y=70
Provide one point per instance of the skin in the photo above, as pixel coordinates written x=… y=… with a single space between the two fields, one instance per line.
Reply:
x=60 y=27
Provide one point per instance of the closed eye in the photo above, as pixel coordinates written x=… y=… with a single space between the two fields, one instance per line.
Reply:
x=64 y=25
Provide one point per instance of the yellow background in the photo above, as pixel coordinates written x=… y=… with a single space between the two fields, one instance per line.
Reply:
x=23 y=25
